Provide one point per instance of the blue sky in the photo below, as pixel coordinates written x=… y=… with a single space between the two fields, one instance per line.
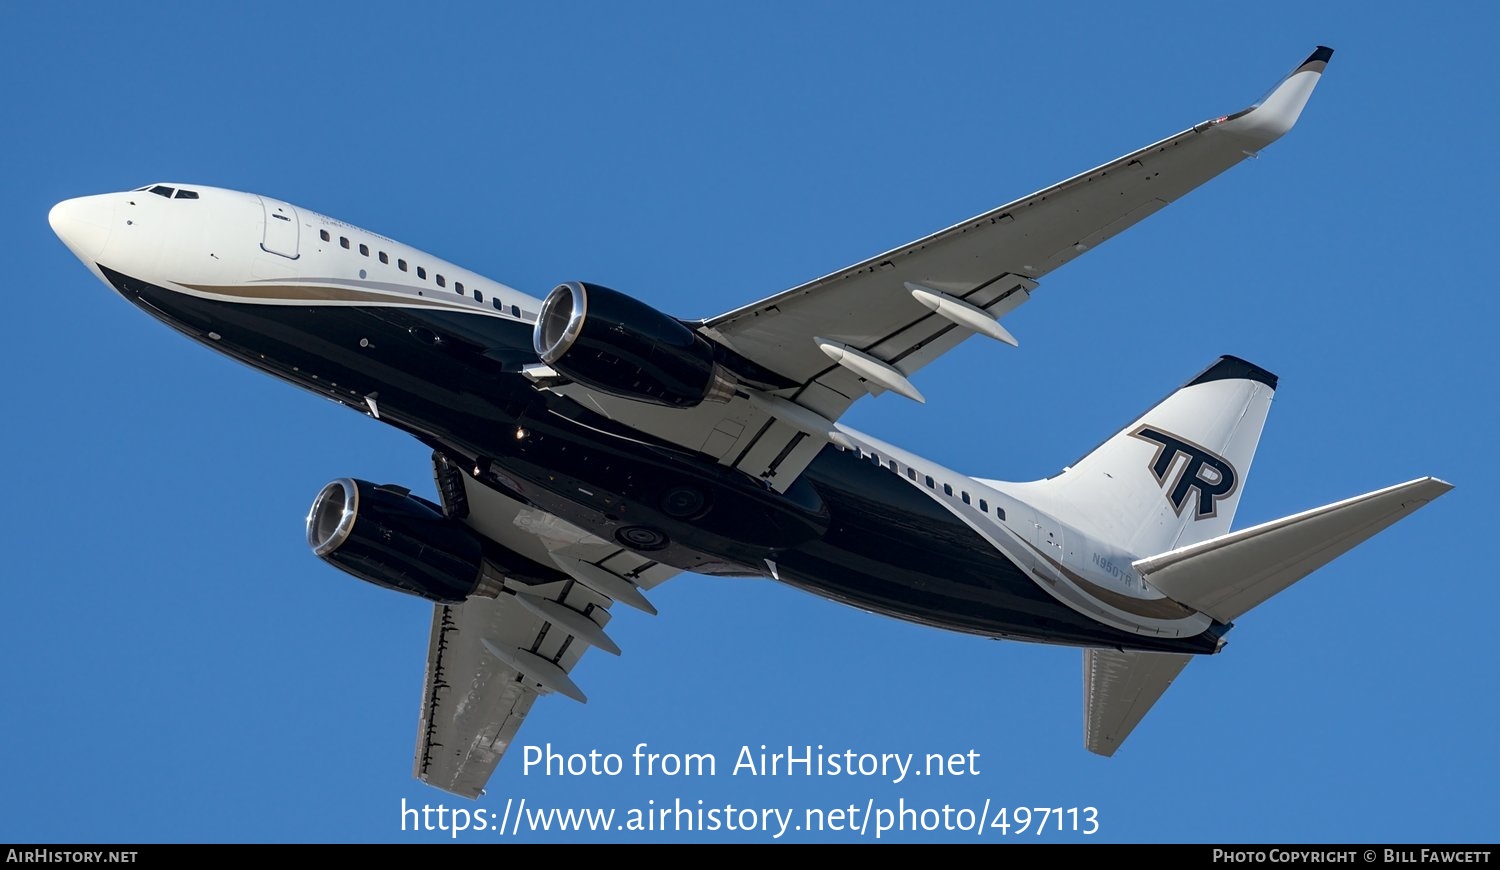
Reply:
x=178 y=667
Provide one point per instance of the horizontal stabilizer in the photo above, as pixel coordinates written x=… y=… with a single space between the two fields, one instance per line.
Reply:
x=1226 y=576
x=1118 y=689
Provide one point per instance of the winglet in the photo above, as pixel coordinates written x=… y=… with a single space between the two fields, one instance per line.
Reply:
x=1269 y=119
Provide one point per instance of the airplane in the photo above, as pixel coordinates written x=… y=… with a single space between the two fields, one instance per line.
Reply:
x=587 y=447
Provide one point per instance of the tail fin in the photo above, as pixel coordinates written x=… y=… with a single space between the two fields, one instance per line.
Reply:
x=1174 y=476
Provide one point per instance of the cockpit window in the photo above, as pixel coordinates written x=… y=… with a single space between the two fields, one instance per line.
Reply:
x=166 y=192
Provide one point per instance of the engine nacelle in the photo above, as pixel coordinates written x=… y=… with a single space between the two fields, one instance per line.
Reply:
x=606 y=340
x=386 y=536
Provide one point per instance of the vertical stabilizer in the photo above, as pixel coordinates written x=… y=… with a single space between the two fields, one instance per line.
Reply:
x=1173 y=476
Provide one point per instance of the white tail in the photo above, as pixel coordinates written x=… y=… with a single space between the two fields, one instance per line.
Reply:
x=1172 y=477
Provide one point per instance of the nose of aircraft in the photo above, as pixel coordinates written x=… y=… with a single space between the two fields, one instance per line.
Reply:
x=83 y=224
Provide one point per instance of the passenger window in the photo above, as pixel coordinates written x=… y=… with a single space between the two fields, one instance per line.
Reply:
x=344 y=242
x=964 y=496
x=911 y=473
x=984 y=506
x=515 y=311
x=1000 y=512
x=459 y=286
x=441 y=282
x=422 y=272
x=401 y=264
x=186 y=194
x=384 y=258
x=947 y=489
x=323 y=234
x=496 y=302
x=891 y=465
x=478 y=297
x=162 y=190
x=364 y=250
x=930 y=483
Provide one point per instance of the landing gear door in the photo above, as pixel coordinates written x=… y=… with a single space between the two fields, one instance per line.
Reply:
x=281 y=228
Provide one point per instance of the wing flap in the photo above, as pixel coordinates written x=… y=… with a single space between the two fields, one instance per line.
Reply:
x=1118 y=689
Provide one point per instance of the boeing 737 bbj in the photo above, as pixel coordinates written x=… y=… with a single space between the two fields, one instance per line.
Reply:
x=587 y=447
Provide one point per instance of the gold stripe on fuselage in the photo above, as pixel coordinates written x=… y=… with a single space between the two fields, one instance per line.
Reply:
x=294 y=294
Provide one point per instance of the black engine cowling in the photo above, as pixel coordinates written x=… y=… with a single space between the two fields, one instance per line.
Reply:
x=386 y=536
x=606 y=340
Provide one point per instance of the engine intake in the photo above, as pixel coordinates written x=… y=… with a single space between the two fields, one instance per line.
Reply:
x=606 y=340
x=386 y=536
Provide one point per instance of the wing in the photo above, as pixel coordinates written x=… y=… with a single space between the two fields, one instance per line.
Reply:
x=489 y=658
x=865 y=329
x=984 y=267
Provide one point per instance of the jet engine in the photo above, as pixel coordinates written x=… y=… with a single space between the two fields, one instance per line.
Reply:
x=386 y=536
x=606 y=340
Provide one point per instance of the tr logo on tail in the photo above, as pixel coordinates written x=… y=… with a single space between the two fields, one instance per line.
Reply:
x=1207 y=472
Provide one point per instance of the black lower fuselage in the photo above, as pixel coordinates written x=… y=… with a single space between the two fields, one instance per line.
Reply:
x=846 y=530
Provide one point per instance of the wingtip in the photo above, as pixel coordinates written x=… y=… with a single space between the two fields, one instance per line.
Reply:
x=1272 y=117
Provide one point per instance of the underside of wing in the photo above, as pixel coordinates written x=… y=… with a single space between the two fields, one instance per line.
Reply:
x=472 y=703
x=907 y=306
x=489 y=658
